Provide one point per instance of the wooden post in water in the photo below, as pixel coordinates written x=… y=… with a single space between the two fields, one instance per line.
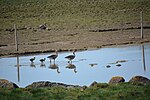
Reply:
x=141 y=14
x=16 y=37
x=143 y=57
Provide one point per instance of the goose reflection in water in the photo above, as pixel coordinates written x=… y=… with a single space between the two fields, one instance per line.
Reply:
x=32 y=65
x=71 y=66
x=42 y=65
x=54 y=66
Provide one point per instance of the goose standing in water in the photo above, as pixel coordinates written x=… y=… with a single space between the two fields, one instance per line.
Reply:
x=71 y=57
x=32 y=59
x=42 y=60
x=53 y=56
x=42 y=64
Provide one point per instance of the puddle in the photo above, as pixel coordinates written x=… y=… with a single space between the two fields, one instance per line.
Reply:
x=88 y=66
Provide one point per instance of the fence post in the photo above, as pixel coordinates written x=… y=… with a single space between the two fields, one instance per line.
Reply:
x=141 y=14
x=16 y=37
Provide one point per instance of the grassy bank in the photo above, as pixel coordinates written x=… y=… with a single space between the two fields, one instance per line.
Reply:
x=101 y=91
x=72 y=14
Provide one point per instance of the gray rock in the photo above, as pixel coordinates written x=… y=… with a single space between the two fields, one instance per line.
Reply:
x=44 y=84
x=118 y=65
x=7 y=84
x=43 y=26
x=116 y=79
x=94 y=83
x=140 y=79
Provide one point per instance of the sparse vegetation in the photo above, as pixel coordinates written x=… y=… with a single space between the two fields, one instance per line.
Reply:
x=72 y=14
x=101 y=91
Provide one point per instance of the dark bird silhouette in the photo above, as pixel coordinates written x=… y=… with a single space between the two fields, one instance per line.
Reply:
x=32 y=59
x=42 y=60
x=53 y=56
x=71 y=66
x=71 y=57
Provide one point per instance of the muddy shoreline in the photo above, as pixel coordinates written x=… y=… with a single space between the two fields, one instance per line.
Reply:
x=66 y=50
x=43 y=41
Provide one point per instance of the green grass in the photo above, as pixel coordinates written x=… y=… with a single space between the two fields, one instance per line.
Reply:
x=71 y=14
x=103 y=91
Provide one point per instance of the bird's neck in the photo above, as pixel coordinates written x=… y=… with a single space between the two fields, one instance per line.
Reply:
x=56 y=53
x=74 y=53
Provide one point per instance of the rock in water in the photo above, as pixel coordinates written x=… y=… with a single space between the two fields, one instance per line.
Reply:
x=116 y=79
x=7 y=84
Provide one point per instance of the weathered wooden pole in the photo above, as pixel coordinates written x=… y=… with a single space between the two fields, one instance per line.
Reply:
x=16 y=37
x=16 y=43
x=141 y=14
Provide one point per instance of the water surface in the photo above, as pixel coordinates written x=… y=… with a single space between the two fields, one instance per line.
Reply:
x=82 y=72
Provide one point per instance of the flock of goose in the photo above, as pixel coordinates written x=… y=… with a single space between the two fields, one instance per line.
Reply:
x=55 y=66
x=54 y=56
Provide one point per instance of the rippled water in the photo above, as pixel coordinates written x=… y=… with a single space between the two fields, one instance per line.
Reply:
x=88 y=66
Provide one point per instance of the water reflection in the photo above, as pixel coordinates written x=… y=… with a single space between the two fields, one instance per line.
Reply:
x=54 y=67
x=32 y=65
x=143 y=57
x=103 y=65
x=18 y=68
x=72 y=66
x=42 y=64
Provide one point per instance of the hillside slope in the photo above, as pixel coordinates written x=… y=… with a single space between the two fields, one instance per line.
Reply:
x=72 y=14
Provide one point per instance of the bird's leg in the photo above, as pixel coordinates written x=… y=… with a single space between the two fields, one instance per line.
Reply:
x=68 y=61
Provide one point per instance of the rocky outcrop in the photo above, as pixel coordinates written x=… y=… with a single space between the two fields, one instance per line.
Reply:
x=94 y=83
x=6 y=84
x=140 y=79
x=116 y=79
x=45 y=84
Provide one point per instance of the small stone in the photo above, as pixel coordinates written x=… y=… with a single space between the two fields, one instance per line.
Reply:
x=116 y=79
x=118 y=65
x=43 y=26
x=108 y=66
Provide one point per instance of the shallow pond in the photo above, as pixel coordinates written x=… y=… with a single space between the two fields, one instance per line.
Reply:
x=88 y=66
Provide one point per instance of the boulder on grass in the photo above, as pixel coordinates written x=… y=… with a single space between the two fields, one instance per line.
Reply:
x=7 y=84
x=93 y=84
x=45 y=84
x=139 y=79
x=116 y=79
